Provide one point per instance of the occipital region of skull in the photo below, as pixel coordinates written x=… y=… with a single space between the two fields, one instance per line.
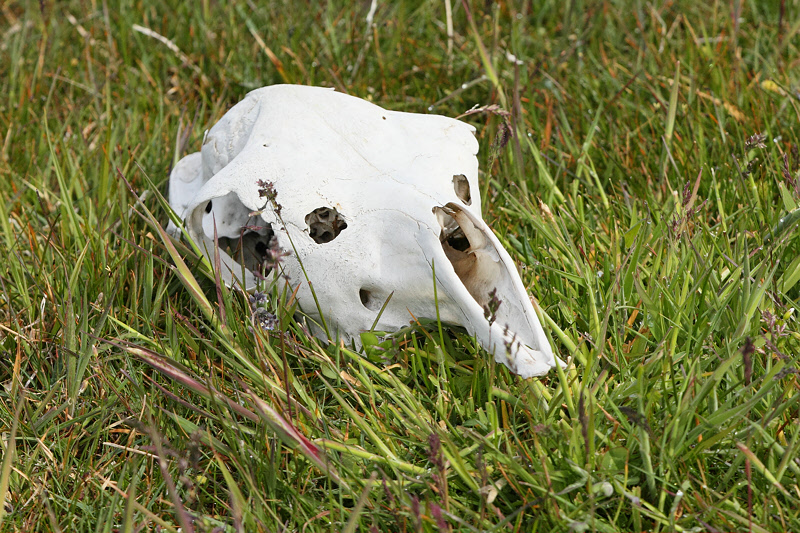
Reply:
x=371 y=203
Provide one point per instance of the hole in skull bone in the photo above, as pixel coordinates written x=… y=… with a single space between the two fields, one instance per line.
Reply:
x=324 y=224
x=250 y=249
x=469 y=251
x=461 y=186
x=457 y=240
x=451 y=234
x=369 y=300
x=243 y=235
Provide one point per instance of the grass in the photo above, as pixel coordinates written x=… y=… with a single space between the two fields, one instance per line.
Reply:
x=649 y=195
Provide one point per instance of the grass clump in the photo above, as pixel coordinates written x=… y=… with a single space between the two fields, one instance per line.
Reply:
x=648 y=188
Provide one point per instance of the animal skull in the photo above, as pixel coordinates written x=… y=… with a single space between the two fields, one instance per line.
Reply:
x=371 y=203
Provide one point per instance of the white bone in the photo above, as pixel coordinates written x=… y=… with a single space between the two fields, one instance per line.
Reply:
x=401 y=190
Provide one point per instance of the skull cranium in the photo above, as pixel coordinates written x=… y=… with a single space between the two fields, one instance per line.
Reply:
x=371 y=203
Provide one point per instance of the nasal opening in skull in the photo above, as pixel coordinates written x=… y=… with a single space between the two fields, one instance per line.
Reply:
x=468 y=250
x=457 y=240
x=461 y=186
x=452 y=235
x=325 y=224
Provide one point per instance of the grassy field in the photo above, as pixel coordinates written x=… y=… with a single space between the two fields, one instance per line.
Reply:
x=649 y=194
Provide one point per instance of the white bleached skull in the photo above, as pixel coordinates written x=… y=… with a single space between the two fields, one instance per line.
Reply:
x=372 y=203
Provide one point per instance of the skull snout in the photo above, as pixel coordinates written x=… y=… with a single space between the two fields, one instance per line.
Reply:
x=503 y=320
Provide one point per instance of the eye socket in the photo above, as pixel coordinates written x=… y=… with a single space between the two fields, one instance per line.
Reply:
x=325 y=224
x=208 y=207
x=250 y=249
x=461 y=186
